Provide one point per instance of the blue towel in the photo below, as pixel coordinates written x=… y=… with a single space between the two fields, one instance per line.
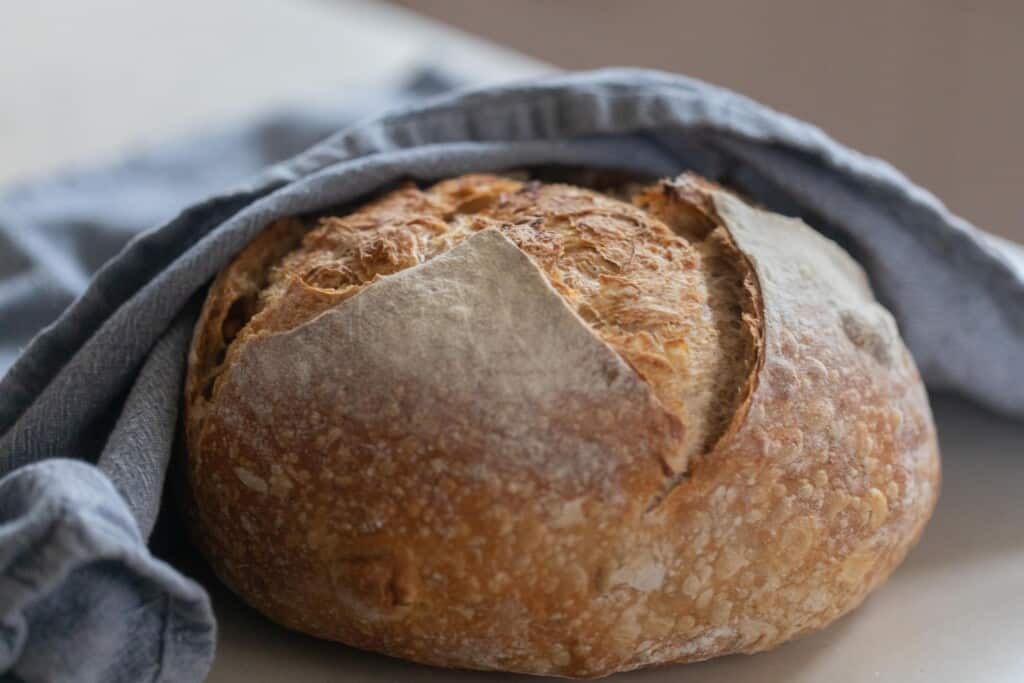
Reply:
x=102 y=384
x=81 y=597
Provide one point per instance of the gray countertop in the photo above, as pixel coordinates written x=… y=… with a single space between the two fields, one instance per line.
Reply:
x=85 y=81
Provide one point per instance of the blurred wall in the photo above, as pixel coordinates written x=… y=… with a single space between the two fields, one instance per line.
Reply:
x=934 y=86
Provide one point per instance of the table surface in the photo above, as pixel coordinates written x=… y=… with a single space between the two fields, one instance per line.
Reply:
x=85 y=81
x=144 y=71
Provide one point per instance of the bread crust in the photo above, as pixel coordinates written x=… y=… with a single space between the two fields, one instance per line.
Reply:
x=440 y=454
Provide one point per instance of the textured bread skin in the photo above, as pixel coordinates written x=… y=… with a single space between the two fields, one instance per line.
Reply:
x=531 y=427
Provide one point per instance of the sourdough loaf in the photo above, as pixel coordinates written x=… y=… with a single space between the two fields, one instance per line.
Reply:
x=505 y=424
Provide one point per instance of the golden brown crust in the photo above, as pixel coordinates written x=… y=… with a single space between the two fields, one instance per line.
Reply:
x=646 y=291
x=372 y=460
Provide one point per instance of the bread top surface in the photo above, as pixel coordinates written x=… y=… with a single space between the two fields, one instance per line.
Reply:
x=335 y=508
x=665 y=295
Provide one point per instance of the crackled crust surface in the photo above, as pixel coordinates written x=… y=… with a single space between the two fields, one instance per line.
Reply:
x=723 y=442
x=663 y=300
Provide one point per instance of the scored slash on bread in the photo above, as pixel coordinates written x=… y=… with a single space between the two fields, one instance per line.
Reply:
x=528 y=426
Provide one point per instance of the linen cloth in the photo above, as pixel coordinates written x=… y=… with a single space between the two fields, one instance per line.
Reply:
x=88 y=410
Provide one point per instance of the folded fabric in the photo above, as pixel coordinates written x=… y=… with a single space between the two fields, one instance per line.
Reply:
x=102 y=384
x=81 y=597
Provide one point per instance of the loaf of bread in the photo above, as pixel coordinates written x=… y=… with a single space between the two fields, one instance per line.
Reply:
x=505 y=424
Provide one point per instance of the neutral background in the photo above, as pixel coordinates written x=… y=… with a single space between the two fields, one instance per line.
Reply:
x=930 y=86
x=85 y=81
x=934 y=86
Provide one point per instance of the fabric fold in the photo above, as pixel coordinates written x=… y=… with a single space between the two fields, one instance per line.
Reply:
x=81 y=598
x=103 y=382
